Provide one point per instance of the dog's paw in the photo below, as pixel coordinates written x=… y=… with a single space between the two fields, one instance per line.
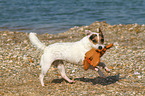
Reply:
x=71 y=81
x=96 y=69
x=107 y=70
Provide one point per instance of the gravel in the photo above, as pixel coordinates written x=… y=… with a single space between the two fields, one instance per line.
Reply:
x=20 y=60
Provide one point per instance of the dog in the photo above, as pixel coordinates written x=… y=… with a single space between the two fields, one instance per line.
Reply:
x=73 y=52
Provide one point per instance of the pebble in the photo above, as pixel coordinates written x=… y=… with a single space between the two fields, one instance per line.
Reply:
x=136 y=73
x=102 y=95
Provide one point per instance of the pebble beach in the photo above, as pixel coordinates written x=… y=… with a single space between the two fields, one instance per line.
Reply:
x=20 y=68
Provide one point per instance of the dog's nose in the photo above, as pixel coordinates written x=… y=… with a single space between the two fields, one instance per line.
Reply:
x=100 y=47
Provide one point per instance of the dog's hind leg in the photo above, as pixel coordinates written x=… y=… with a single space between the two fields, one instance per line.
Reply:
x=41 y=76
x=45 y=65
x=62 y=72
x=104 y=66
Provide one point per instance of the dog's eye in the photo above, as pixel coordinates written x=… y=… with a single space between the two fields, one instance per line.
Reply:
x=94 y=41
x=93 y=36
x=102 y=40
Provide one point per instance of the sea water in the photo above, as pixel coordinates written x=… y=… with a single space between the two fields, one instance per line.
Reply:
x=55 y=16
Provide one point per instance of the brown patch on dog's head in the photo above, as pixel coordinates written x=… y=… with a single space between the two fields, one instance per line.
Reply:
x=94 y=38
x=101 y=37
x=98 y=37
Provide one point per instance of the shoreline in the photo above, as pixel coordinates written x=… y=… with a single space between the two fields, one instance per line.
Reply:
x=20 y=60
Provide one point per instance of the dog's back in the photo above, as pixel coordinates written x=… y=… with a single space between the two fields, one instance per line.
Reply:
x=72 y=52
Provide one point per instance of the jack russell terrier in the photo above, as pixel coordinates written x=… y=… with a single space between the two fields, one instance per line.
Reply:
x=73 y=52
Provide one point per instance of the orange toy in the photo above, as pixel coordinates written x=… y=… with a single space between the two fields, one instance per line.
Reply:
x=92 y=57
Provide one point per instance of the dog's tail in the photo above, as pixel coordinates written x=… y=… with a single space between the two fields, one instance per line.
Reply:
x=35 y=41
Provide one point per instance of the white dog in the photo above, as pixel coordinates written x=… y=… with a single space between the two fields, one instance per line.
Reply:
x=72 y=52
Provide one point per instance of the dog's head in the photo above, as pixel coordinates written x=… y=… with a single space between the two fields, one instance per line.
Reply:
x=96 y=39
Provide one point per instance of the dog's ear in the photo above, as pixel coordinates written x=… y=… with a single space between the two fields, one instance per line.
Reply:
x=100 y=32
x=87 y=32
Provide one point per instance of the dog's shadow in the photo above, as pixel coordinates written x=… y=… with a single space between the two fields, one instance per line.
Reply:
x=98 y=80
x=103 y=81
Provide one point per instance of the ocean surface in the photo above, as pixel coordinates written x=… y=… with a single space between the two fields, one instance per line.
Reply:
x=55 y=16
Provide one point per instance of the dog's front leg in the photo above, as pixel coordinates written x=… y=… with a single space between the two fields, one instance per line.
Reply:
x=100 y=73
x=62 y=72
x=104 y=66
